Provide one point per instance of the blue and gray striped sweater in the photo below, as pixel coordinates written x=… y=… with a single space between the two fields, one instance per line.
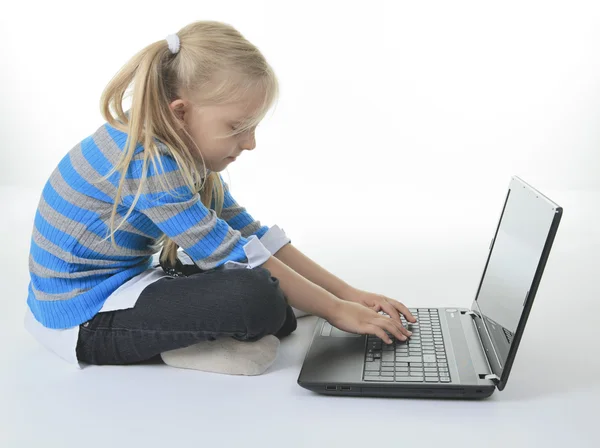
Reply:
x=74 y=268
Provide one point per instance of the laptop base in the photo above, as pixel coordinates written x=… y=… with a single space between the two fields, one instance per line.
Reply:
x=407 y=391
x=335 y=364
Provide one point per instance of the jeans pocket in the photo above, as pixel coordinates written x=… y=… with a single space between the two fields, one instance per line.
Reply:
x=93 y=323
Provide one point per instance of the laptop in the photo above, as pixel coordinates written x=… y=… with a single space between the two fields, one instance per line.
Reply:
x=453 y=352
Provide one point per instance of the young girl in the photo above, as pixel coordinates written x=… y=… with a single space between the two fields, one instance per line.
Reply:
x=225 y=288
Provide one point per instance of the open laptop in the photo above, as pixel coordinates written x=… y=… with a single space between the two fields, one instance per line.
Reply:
x=453 y=352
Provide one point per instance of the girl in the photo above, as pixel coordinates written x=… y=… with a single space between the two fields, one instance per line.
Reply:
x=225 y=288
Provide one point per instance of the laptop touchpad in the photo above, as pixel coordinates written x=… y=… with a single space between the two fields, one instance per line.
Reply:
x=330 y=330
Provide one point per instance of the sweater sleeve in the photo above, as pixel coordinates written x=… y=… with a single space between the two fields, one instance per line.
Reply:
x=179 y=213
x=273 y=238
x=238 y=217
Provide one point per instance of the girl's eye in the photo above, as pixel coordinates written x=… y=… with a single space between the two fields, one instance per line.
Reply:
x=236 y=128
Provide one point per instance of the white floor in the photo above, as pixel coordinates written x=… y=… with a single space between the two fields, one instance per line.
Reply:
x=552 y=397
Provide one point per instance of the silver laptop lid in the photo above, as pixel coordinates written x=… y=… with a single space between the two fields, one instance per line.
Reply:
x=515 y=264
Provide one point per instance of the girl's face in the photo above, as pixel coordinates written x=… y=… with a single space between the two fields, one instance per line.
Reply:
x=207 y=124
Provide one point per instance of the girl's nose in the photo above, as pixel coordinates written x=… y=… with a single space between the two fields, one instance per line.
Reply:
x=249 y=142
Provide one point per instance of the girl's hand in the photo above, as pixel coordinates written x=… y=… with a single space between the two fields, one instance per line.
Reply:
x=355 y=318
x=378 y=302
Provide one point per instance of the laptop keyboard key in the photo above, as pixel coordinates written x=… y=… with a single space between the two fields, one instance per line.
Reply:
x=387 y=379
x=372 y=365
x=410 y=359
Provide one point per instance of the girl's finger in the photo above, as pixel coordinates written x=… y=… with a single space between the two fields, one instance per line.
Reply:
x=405 y=331
x=390 y=310
x=397 y=319
x=404 y=310
x=377 y=331
x=391 y=326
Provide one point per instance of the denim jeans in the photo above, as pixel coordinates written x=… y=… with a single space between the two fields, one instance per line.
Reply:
x=171 y=313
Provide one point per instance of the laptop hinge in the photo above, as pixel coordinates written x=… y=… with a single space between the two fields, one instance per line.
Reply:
x=492 y=376
x=491 y=358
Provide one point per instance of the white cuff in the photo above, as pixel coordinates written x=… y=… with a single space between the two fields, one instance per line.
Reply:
x=256 y=253
x=275 y=239
x=183 y=257
x=257 y=250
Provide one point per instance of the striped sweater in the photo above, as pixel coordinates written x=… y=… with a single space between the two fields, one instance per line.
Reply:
x=74 y=267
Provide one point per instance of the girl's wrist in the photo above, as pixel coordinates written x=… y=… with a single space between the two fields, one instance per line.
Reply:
x=347 y=293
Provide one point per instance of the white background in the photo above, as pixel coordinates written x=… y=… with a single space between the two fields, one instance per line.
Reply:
x=386 y=159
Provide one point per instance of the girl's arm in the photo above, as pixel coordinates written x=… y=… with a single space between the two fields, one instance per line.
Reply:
x=307 y=296
x=310 y=270
x=302 y=293
x=306 y=267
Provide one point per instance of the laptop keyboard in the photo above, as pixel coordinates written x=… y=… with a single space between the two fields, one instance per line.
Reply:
x=509 y=335
x=421 y=358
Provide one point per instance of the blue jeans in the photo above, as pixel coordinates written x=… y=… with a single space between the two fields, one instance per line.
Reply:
x=245 y=304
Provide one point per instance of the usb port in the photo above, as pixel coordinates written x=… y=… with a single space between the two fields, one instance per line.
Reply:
x=346 y=388
x=330 y=387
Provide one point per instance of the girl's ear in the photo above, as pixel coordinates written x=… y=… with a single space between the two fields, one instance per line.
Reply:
x=179 y=109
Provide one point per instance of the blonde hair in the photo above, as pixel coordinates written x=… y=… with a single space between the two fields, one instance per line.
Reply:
x=215 y=65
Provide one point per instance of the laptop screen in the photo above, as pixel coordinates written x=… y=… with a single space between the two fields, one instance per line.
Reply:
x=516 y=260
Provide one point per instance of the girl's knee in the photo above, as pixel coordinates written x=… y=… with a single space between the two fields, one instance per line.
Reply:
x=265 y=305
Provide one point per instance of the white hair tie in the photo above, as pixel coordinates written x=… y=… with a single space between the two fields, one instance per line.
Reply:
x=173 y=41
